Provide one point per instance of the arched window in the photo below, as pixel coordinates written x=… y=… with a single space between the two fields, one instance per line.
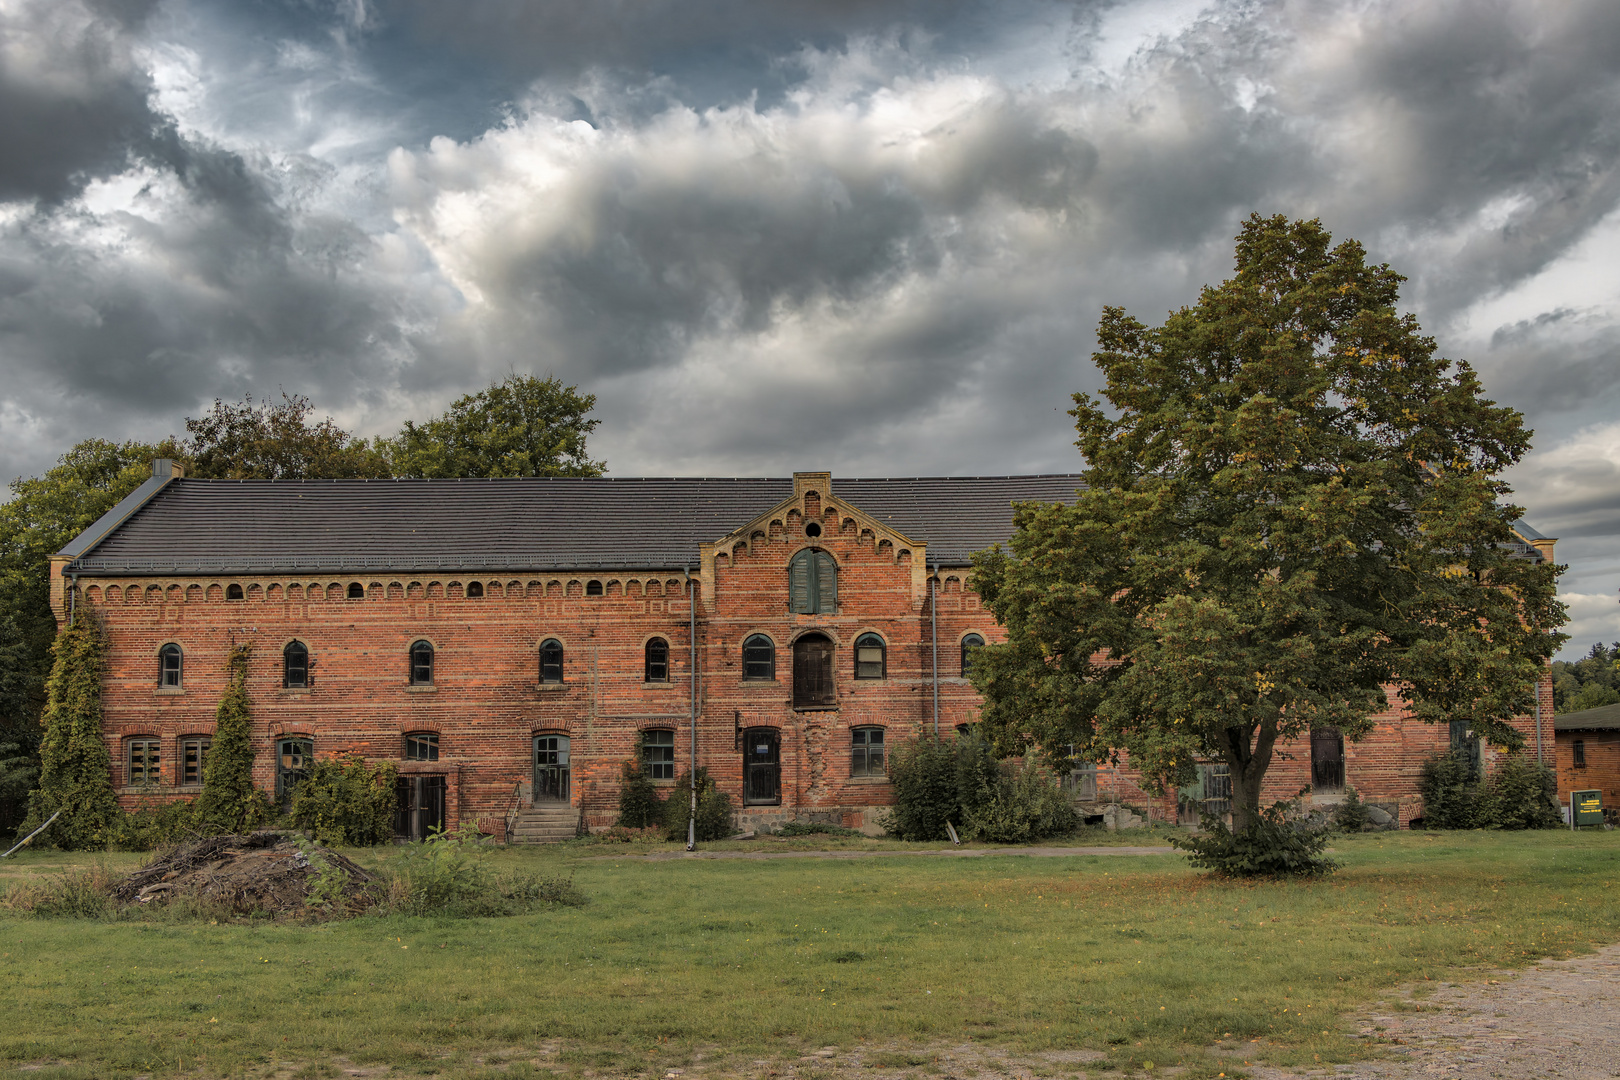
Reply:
x=759 y=658
x=869 y=657
x=169 y=666
x=475 y=590
x=656 y=666
x=421 y=663
x=593 y=588
x=969 y=643
x=295 y=665
x=866 y=752
x=813 y=583
x=233 y=592
x=551 y=661
x=357 y=591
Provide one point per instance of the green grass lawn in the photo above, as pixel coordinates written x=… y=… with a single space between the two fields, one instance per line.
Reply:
x=743 y=959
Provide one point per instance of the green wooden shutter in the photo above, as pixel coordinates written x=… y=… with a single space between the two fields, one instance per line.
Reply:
x=826 y=584
x=799 y=592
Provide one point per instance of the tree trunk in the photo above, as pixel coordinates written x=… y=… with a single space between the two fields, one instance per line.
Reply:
x=1248 y=756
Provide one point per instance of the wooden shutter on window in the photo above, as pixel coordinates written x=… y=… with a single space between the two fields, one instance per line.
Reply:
x=826 y=583
x=800 y=594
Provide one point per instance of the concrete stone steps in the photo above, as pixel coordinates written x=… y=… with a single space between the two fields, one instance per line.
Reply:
x=546 y=825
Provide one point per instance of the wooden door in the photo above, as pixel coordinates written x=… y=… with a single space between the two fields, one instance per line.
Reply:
x=1327 y=759
x=813 y=671
x=762 y=767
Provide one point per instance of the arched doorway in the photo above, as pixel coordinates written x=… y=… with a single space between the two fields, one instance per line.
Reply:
x=551 y=769
x=813 y=671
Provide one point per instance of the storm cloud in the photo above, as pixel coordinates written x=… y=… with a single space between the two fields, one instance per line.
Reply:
x=868 y=237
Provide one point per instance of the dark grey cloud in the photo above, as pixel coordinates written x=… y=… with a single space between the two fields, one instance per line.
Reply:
x=73 y=100
x=874 y=237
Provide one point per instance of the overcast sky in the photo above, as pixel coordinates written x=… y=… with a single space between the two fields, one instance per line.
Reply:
x=868 y=236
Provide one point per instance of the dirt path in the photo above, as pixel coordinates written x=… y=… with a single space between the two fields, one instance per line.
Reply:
x=965 y=853
x=1558 y=1018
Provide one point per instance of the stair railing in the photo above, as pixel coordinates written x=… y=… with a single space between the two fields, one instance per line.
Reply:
x=513 y=810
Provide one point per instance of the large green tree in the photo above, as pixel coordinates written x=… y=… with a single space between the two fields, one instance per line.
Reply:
x=1291 y=503
x=277 y=441
x=42 y=515
x=521 y=426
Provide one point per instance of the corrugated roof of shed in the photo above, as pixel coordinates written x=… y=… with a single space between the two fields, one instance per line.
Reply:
x=267 y=526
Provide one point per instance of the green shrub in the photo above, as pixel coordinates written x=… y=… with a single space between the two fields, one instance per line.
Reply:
x=1520 y=794
x=1274 y=845
x=639 y=804
x=926 y=791
x=1451 y=791
x=1524 y=795
x=158 y=821
x=1023 y=803
x=815 y=828
x=347 y=802
x=446 y=875
x=713 y=810
x=1351 y=816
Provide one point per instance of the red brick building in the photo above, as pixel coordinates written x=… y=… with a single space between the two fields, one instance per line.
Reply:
x=510 y=642
x=1589 y=754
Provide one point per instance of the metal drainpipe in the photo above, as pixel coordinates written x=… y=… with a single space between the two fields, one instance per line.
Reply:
x=1535 y=688
x=691 y=600
x=933 y=616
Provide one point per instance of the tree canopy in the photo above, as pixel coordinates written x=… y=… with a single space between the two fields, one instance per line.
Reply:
x=275 y=441
x=1588 y=683
x=521 y=426
x=1291 y=503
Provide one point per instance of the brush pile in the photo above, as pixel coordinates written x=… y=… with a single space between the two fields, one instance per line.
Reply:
x=267 y=873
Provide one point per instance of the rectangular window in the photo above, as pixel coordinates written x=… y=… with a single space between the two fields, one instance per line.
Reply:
x=144 y=758
x=1580 y=753
x=658 y=754
x=866 y=752
x=193 y=760
x=422 y=746
x=293 y=759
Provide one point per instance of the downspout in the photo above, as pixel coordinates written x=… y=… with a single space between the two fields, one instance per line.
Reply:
x=933 y=617
x=691 y=600
x=1536 y=689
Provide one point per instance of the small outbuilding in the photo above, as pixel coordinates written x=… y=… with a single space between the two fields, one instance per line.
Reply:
x=1589 y=753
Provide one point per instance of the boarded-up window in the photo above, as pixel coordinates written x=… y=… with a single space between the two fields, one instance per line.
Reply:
x=813 y=584
x=193 y=761
x=813 y=671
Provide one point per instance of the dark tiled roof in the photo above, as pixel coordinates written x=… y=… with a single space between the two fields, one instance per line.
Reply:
x=265 y=526
x=1601 y=718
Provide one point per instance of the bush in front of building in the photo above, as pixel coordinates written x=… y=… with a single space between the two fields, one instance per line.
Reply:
x=1351 y=815
x=1279 y=842
x=1520 y=794
x=937 y=781
x=1024 y=803
x=639 y=804
x=713 y=809
x=347 y=802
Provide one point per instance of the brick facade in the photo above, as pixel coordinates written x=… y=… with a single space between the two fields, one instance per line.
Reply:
x=487 y=704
